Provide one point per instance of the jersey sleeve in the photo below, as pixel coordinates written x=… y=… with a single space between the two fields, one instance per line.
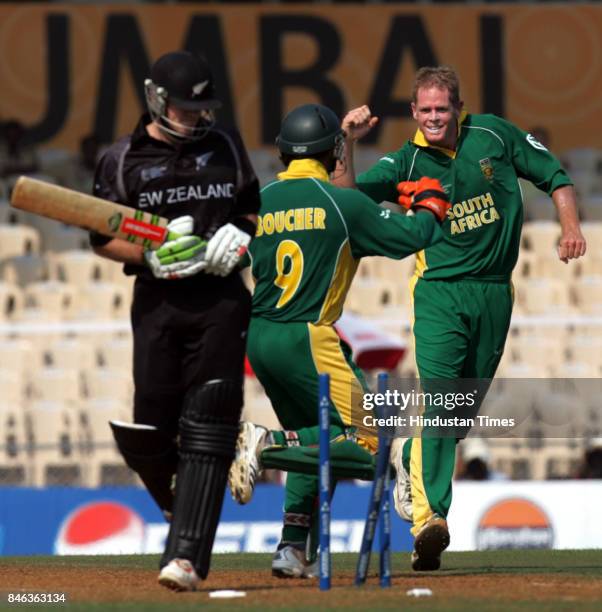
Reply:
x=532 y=160
x=380 y=182
x=105 y=186
x=378 y=231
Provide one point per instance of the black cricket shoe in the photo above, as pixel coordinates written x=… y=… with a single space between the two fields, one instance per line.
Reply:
x=430 y=542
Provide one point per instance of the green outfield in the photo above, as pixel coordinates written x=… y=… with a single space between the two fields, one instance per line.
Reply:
x=497 y=580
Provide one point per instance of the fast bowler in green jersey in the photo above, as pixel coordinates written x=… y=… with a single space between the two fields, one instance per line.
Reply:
x=461 y=289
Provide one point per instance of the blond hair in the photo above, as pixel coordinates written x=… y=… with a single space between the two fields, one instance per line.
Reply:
x=443 y=77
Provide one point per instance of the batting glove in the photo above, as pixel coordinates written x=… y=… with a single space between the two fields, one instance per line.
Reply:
x=427 y=193
x=182 y=255
x=225 y=249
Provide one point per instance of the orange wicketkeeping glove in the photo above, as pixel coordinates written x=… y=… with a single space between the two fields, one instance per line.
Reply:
x=426 y=193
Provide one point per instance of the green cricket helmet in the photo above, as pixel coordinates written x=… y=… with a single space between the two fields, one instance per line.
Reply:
x=310 y=129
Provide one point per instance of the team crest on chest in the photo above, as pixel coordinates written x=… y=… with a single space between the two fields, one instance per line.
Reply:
x=486 y=168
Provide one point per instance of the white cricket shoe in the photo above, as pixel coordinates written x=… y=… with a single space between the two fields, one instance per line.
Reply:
x=402 y=491
x=290 y=562
x=179 y=575
x=246 y=465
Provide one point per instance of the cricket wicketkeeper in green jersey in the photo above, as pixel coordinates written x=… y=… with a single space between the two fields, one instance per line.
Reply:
x=461 y=289
x=309 y=240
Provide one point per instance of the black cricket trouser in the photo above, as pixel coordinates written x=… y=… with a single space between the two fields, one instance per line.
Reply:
x=185 y=335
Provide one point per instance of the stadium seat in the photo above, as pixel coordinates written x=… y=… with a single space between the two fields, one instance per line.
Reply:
x=18 y=240
x=590 y=264
x=586 y=349
x=80 y=267
x=592 y=230
x=57 y=237
x=541 y=237
x=257 y=405
x=12 y=383
x=103 y=300
x=366 y=267
x=116 y=353
x=24 y=269
x=587 y=292
x=9 y=215
x=587 y=330
x=395 y=270
x=16 y=354
x=521 y=369
x=552 y=267
x=546 y=350
x=11 y=301
x=370 y=296
x=63 y=385
x=543 y=295
x=525 y=265
x=103 y=463
x=70 y=353
x=53 y=300
x=14 y=462
x=54 y=236
x=579 y=369
x=109 y=384
x=56 y=458
x=113 y=270
x=127 y=282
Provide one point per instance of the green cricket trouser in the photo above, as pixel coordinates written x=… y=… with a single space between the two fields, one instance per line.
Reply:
x=459 y=328
x=287 y=358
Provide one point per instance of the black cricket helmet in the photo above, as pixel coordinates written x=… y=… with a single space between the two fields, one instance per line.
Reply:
x=310 y=129
x=183 y=80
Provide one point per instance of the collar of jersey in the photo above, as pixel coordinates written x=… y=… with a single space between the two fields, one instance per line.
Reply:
x=421 y=141
x=304 y=168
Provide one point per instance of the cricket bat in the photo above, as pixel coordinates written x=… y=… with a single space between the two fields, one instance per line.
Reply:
x=89 y=213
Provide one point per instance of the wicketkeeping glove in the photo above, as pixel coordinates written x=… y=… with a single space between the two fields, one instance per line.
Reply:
x=182 y=255
x=225 y=249
x=426 y=193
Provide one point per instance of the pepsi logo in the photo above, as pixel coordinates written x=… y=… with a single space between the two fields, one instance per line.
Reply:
x=101 y=528
x=514 y=523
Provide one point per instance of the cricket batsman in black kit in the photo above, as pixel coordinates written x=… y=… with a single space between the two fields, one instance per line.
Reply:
x=191 y=309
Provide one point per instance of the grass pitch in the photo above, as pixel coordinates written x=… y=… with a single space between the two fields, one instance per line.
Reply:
x=496 y=580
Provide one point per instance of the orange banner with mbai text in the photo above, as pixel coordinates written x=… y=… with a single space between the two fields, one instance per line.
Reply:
x=70 y=70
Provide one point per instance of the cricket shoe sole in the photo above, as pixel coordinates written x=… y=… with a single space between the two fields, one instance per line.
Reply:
x=430 y=542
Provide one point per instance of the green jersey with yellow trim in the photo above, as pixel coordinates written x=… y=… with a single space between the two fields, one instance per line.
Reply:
x=482 y=231
x=310 y=237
